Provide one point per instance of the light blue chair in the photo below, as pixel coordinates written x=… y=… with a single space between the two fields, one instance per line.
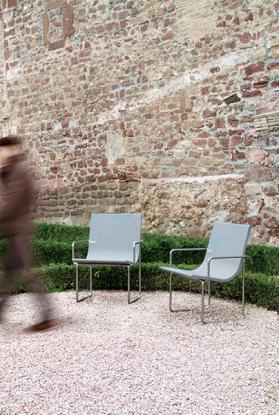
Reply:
x=224 y=259
x=114 y=240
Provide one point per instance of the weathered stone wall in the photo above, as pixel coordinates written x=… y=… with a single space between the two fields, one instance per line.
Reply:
x=158 y=106
x=2 y=71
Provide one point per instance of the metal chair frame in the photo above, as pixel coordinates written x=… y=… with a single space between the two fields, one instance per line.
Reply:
x=130 y=301
x=208 y=280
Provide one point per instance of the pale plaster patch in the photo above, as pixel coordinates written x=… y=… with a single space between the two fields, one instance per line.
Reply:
x=175 y=85
x=191 y=16
x=192 y=179
x=114 y=147
x=13 y=73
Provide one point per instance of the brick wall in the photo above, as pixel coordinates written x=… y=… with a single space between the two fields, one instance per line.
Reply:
x=165 y=107
x=2 y=83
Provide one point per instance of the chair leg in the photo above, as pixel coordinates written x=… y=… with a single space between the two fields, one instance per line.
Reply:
x=202 y=304
x=129 y=285
x=243 y=290
x=170 y=302
x=173 y=310
x=209 y=293
x=77 y=283
x=140 y=279
x=90 y=282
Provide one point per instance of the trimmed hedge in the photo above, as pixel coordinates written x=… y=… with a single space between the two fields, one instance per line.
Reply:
x=260 y=289
x=52 y=259
x=52 y=243
x=59 y=232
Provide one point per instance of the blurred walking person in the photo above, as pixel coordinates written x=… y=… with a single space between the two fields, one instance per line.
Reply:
x=16 y=206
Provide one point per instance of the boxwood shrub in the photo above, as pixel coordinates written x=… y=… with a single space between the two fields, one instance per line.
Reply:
x=53 y=261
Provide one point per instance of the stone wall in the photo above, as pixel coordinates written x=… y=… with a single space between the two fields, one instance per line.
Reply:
x=161 y=106
x=2 y=71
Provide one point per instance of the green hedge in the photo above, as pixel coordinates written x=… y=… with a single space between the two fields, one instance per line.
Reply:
x=53 y=244
x=52 y=258
x=261 y=289
x=59 y=232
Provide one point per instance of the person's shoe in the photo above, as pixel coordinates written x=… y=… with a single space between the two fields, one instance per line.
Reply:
x=46 y=325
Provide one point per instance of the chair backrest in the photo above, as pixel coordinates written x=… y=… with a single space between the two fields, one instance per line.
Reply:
x=226 y=239
x=114 y=235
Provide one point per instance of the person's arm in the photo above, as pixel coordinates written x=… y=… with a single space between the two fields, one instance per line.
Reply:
x=13 y=198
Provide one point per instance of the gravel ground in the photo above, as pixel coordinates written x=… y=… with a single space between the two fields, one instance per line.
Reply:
x=114 y=359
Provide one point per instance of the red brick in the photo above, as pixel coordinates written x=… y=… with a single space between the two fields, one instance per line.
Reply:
x=254 y=68
x=215 y=69
x=199 y=142
x=235 y=140
x=273 y=65
x=231 y=45
x=260 y=84
x=13 y=64
x=12 y=3
x=53 y=4
x=220 y=122
x=121 y=176
x=68 y=20
x=56 y=45
x=248 y=94
x=254 y=220
x=245 y=38
x=172 y=143
x=168 y=36
x=249 y=18
x=207 y=113
x=232 y=120
x=272 y=223
x=237 y=155
x=120 y=162
x=7 y=54
x=205 y=91
x=257 y=173
x=222 y=23
x=10 y=32
x=45 y=28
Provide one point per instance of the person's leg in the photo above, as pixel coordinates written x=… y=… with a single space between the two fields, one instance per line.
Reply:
x=37 y=286
x=8 y=279
x=18 y=261
x=47 y=322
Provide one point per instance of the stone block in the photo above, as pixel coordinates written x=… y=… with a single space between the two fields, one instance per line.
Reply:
x=56 y=45
x=254 y=68
x=53 y=4
x=45 y=28
x=255 y=155
x=68 y=20
x=257 y=173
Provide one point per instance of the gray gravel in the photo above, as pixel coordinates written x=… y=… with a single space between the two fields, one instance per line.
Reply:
x=114 y=359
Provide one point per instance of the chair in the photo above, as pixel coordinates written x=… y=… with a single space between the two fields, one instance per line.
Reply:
x=114 y=240
x=224 y=259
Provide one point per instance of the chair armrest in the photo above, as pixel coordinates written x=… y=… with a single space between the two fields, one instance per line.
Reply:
x=184 y=250
x=81 y=241
x=213 y=258
x=135 y=243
